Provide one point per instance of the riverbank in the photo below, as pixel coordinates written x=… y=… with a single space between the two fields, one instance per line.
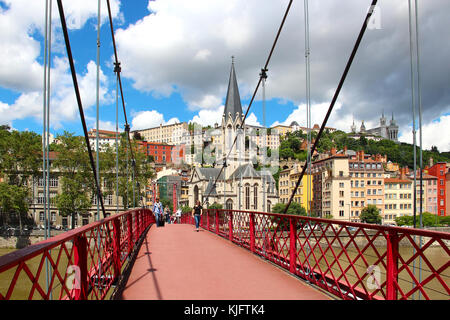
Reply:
x=19 y=241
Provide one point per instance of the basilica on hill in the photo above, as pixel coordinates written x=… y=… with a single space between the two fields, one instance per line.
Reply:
x=232 y=181
x=384 y=131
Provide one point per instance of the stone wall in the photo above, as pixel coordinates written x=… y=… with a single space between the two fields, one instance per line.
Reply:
x=17 y=241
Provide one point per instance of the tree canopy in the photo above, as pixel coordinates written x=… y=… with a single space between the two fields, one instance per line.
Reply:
x=371 y=214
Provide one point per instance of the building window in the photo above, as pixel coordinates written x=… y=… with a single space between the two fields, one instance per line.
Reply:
x=247 y=197
x=255 y=196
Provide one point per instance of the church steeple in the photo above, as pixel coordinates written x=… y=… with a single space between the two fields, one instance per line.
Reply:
x=233 y=105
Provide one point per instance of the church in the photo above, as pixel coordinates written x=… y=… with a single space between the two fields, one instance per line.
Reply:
x=232 y=181
x=384 y=131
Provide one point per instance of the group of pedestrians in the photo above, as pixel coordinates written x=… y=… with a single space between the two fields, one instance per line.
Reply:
x=163 y=215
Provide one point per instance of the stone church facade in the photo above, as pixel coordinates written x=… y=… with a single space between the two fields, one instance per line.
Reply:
x=232 y=181
x=384 y=131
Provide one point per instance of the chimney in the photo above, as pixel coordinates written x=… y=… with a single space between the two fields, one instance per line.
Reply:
x=431 y=162
x=360 y=155
x=333 y=151
x=345 y=150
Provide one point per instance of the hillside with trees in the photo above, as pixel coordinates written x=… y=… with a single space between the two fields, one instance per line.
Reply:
x=401 y=153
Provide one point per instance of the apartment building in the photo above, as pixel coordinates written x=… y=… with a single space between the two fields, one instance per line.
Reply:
x=302 y=194
x=398 y=199
x=161 y=153
x=429 y=193
x=447 y=193
x=36 y=206
x=170 y=134
x=331 y=187
x=263 y=137
x=283 y=185
x=288 y=180
x=367 y=183
x=105 y=139
x=439 y=170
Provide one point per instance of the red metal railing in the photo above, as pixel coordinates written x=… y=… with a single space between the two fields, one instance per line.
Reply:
x=349 y=260
x=84 y=263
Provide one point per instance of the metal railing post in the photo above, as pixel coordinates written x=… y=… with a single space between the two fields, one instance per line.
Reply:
x=217 y=221
x=252 y=232
x=392 y=255
x=230 y=226
x=80 y=260
x=207 y=219
x=116 y=247
x=136 y=221
x=130 y=232
x=292 y=245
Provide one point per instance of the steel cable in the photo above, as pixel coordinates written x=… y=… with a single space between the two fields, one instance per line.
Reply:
x=261 y=77
x=80 y=105
x=336 y=95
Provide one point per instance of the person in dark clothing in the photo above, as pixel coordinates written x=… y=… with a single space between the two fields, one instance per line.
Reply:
x=197 y=211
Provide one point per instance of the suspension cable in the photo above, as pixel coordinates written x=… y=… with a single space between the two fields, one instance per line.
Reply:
x=117 y=64
x=308 y=105
x=336 y=95
x=254 y=94
x=118 y=70
x=80 y=106
x=97 y=151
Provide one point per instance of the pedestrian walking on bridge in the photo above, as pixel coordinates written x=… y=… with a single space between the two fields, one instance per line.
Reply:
x=196 y=212
x=158 y=211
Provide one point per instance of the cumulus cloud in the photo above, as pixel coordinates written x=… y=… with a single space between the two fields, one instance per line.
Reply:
x=209 y=117
x=430 y=131
x=63 y=104
x=149 y=119
x=318 y=113
x=185 y=47
x=21 y=24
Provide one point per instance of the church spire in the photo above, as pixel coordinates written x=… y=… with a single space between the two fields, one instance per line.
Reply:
x=233 y=101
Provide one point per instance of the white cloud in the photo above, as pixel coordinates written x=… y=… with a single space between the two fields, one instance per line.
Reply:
x=209 y=117
x=20 y=56
x=206 y=102
x=20 y=51
x=318 y=113
x=202 y=55
x=149 y=119
x=63 y=104
x=185 y=47
x=252 y=120
x=433 y=134
x=173 y=121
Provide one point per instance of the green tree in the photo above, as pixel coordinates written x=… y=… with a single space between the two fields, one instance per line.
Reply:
x=428 y=220
x=404 y=221
x=20 y=159
x=295 y=208
x=186 y=209
x=141 y=170
x=371 y=214
x=77 y=181
x=215 y=205
x=13 y=203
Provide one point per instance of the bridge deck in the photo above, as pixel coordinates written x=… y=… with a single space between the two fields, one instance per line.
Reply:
x=177 y=263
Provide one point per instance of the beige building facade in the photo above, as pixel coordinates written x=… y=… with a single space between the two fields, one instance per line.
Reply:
x=367 y=183
x=398 y=199
x=331 y=187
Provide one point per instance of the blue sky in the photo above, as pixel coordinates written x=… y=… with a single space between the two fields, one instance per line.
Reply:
x=176 y=58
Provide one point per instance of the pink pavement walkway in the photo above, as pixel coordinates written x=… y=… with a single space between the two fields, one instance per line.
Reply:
x=177 y=263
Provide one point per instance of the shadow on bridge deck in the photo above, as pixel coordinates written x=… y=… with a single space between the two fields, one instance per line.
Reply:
x=177 y=263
